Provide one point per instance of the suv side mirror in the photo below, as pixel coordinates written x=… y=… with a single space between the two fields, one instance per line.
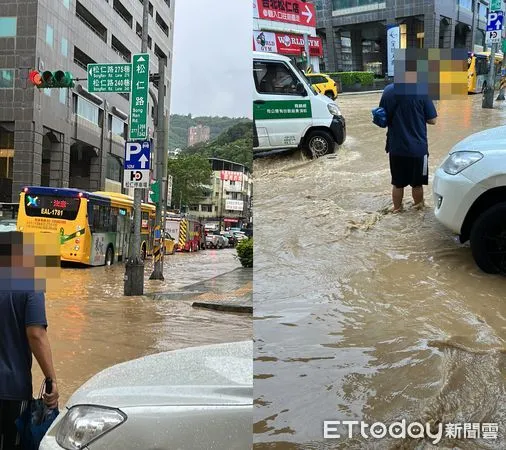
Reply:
x=300 y=89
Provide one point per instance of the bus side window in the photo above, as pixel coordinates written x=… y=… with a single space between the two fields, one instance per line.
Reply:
x=114 y=219
x=96 y=219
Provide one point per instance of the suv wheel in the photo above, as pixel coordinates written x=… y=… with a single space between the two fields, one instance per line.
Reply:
x=488 y=240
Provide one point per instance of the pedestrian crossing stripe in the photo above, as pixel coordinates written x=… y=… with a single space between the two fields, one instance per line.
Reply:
x=183 y=228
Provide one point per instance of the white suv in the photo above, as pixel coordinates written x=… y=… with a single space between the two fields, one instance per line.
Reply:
x=470 y=196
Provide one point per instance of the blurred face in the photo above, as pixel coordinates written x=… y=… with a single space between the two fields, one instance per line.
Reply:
x=28 y=262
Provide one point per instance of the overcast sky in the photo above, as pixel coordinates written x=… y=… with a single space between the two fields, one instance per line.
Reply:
x=211 y=67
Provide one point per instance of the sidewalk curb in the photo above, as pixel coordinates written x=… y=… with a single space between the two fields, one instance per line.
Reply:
x=359 y=93
x=225 y=307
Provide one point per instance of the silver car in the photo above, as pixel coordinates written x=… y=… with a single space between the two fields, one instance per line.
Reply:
x=196 y=398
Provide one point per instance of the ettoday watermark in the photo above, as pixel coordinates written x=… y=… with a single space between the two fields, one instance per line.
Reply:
x=415 y=430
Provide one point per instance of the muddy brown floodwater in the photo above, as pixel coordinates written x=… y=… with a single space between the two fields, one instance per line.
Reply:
x=93 y=326
x=364 y=315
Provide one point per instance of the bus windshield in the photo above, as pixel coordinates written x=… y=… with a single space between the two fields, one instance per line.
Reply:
x=52 y=206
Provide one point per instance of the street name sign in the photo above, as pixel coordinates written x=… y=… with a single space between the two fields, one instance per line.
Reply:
x=136 y=179
x=139 y=96
x=495 y=21
x=109 y=77
x=496 y=5
x=137 y=155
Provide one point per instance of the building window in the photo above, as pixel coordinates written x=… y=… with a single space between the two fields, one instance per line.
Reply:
x=206 y=208
x=344 y=4
x=482 y=11
x=113 y=168
x=49 y=35
x=6 y=78
x=161 y=23
x=63 y=95
x=47 y=92
x=123 y=12
x=64 y=46
x=8 y=26
x=404 y=35
x=66 y=3
x=468 y=4
x=117 y=126
x=194 y=207
x=87 y=110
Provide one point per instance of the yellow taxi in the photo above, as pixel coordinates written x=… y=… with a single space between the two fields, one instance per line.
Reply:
x=169 y=244
x=323 y=84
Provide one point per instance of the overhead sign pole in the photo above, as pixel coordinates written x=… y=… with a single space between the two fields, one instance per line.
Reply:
x=134 y=268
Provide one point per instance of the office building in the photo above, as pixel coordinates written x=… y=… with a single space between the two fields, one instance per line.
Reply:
x=71 y=137
x=354 y=32
x=200 y=133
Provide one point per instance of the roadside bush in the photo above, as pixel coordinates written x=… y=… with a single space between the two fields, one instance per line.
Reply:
x=245 y=252
x=350 y=78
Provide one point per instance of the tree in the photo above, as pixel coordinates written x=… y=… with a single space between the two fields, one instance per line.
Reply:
x=189 y=174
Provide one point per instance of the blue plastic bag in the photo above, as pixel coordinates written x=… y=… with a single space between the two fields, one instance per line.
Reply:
x=379 y=117
x=34 y=422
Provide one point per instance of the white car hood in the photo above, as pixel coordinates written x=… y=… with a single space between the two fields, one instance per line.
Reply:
x=493 y=139
x=211 y=375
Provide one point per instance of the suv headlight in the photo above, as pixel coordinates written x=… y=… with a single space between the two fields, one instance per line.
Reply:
x=333 y=109
x=459 y=161
x=83 y=424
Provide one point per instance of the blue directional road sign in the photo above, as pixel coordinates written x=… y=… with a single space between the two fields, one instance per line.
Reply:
x=495 y=21
x=137 y=155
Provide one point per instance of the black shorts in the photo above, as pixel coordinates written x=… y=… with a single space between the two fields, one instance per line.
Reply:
x=409 y=170
x=10 y=410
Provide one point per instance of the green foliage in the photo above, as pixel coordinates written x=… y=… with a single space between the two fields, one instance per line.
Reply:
x=189 y=173
x=245 y=252
x=179 y=124
x=234 y=144
x=350 y=78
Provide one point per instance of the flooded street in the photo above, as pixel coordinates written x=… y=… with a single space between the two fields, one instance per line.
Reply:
x=364 y=315
x=93 y=326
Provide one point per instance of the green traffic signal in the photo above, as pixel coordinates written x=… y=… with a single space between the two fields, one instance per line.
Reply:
x=154 y=195
x=63 y=79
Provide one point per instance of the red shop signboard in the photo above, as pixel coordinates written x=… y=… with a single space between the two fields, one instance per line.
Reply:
x=288 y=11
x=293 y=44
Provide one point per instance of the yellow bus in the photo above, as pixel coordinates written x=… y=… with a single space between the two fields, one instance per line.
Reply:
x=477 y=70
x=94 y=228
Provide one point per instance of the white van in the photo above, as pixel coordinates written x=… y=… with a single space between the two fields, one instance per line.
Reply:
x=288 y=113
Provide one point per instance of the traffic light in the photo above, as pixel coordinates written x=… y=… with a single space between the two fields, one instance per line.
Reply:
x=154 y=193
x=48 y=79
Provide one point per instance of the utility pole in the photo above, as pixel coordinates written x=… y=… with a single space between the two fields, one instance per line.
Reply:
x=134 y=267
x=488 y=94
x=157 y=273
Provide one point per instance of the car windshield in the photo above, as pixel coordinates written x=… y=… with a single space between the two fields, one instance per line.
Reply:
x=304 y=77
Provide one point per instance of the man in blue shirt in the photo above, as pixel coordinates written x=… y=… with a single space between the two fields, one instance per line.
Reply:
x=407 y=143
x=22 y=332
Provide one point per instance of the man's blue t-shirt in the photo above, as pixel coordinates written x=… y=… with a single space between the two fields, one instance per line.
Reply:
x=407 y=128
x=17 y=311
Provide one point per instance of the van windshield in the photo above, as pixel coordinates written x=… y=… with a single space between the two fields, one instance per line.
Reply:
x=303 y=76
